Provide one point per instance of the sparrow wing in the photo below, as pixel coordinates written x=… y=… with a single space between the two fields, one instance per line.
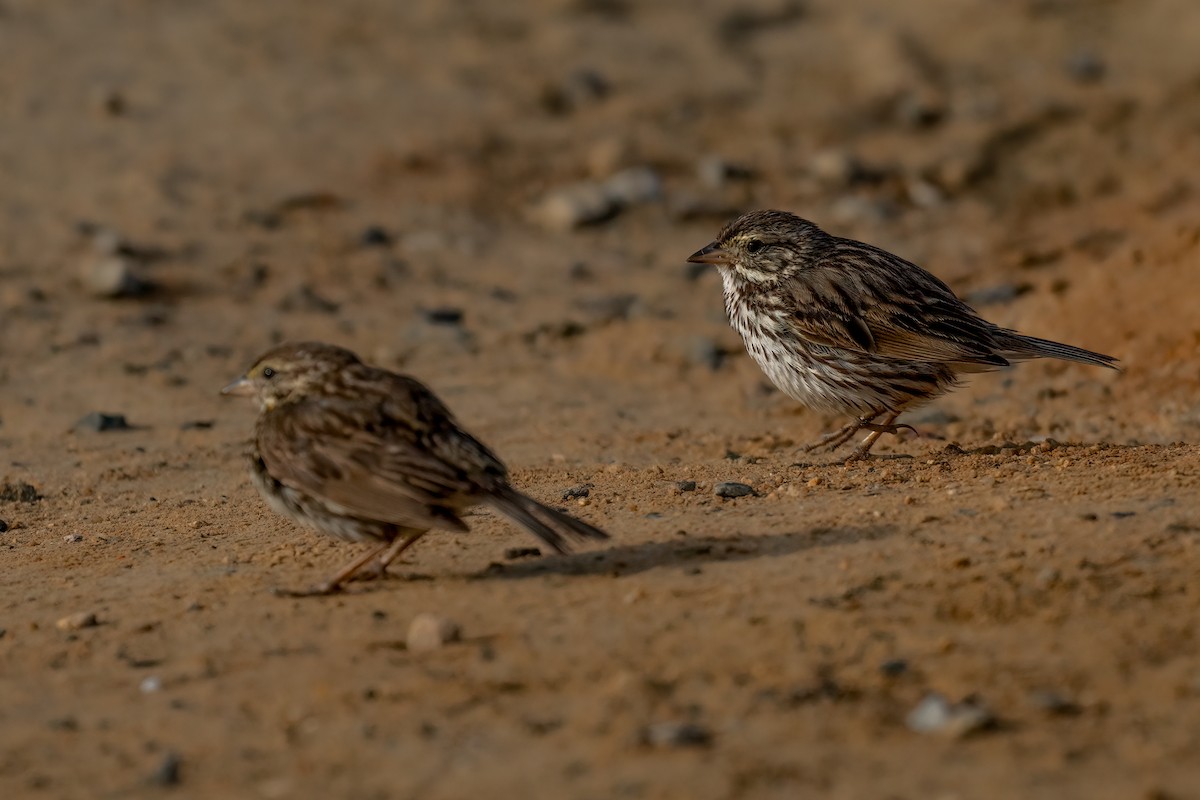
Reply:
x=864 y=299
x=394 y=455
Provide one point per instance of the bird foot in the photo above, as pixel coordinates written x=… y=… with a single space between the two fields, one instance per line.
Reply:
x=836 y=439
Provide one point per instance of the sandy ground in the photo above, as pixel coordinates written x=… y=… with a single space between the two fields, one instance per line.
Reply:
x=1033 y=558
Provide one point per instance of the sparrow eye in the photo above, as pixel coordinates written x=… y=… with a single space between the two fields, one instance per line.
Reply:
x=754 y=246
x=268 y=373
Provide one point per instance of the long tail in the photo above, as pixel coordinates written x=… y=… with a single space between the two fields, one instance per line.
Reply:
x=1019 y=347
x=551 y=526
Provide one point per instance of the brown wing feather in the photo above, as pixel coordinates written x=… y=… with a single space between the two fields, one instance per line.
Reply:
x=393 y=455
x=869 y=301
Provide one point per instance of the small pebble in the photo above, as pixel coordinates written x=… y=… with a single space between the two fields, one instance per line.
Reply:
x=580 y=88
x=714 y=172
x=197 y=425
x=1086 y=67
x=513 y=553
x=430 y=631
x=732 y=489
x=1053 y=703
x=608 y=155
x=113 y=276
x=704 y=352
x=150 y=685
x=633 y=186
x=167 y=773
x=72 y=538
x=576 y=492
x=443 y=316
x=374 y=236
x=685 y=486
x=74 y=622
x=894 y=668
x=676 y=734
x=935 y=714
x=1047 y=577
x=575 y=206
x=835 y=167
x=98 y=421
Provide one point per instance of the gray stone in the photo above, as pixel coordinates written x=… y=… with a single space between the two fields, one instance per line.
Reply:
x=430 y=632
x=113 y=276
x=78 y=621
x=935 y=714
x=574 y=206
x=98 y=421
x=730 y=489
x=676 y=734
x=633 y=186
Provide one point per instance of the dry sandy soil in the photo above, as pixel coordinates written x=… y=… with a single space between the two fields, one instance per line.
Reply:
x=1034 y=556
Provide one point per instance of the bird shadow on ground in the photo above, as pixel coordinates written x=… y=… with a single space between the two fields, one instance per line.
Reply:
x=634 y=558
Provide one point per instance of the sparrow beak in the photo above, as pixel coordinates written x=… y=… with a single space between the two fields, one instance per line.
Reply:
x=242 y=387
x=712 y=254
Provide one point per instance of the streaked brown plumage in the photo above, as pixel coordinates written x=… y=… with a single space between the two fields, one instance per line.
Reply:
x=845 y=327
x=367 y=455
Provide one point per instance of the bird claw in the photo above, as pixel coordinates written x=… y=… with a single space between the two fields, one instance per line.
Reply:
x=893 y=428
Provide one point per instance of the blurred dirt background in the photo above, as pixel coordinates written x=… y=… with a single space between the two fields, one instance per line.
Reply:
x=499 y=198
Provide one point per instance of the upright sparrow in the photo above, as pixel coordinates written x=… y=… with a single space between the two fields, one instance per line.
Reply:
x=846 y=327
x=367 y=455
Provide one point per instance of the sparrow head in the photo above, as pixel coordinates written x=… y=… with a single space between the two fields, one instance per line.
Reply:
x=290 y=372
x=763 y=247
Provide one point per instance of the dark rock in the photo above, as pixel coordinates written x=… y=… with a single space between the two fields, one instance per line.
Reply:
x=167 y=773
x=704 y=352
x=375 y=236
x=3 y=526
x=730 y=489
x=581 y=88
x=1054 y=703
x=685 y=486
x=443 y=316
x=98 y=421
x=579 y=271
x=513 y=553
x=577 y=492
x=19 y=492
x=894 y=667
x=1086 y=67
